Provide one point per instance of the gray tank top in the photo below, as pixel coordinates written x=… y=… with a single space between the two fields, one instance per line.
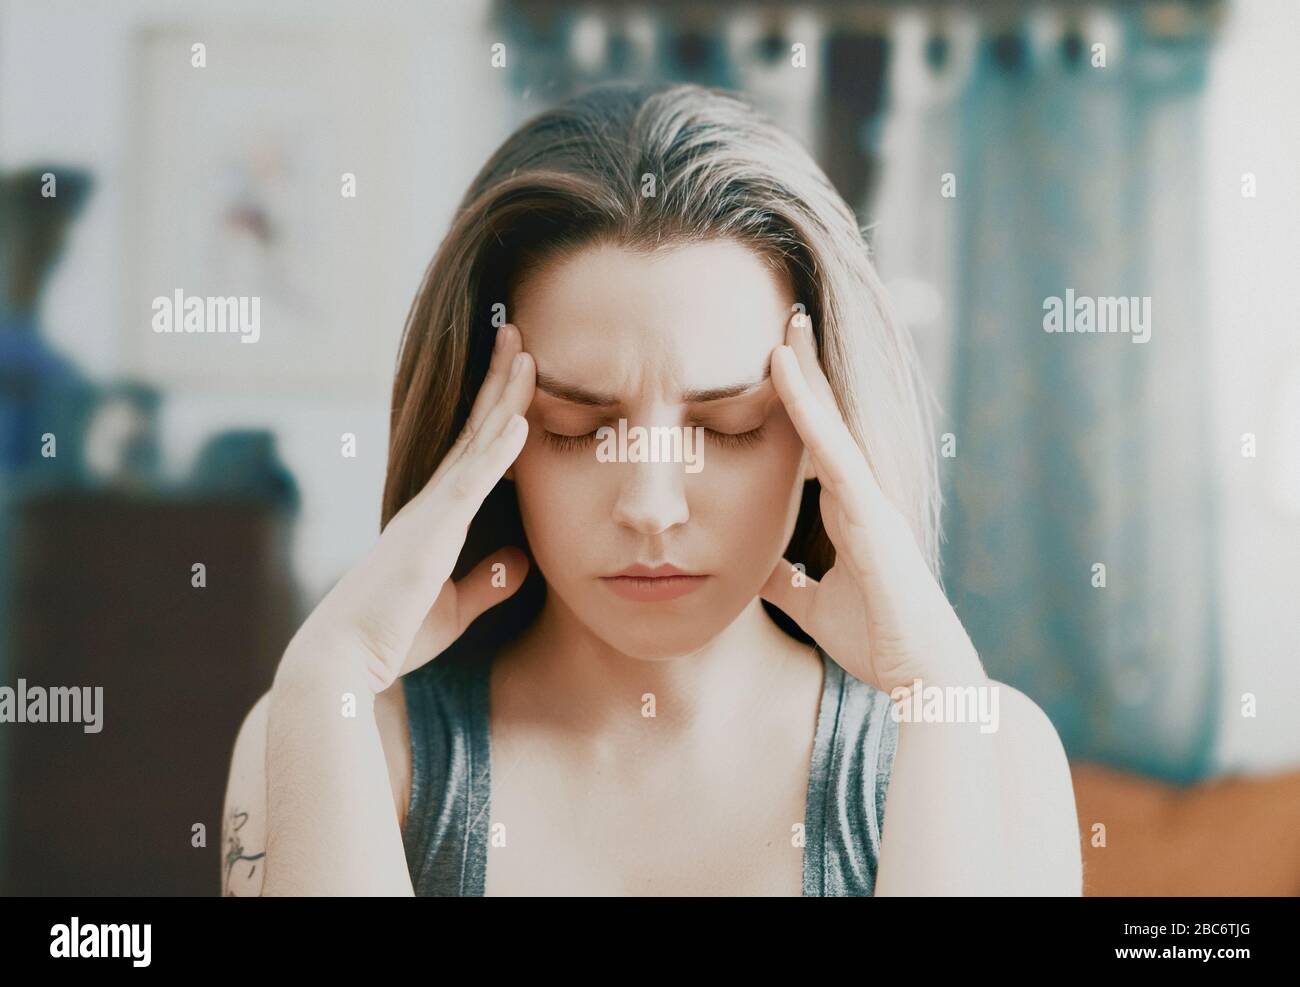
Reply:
x=447 y=821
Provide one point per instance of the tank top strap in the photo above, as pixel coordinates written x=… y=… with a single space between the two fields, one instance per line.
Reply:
x=859 y=757
x=446 y=829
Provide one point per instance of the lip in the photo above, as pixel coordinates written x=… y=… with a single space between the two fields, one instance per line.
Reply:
x=645 y=584
x=647 y=572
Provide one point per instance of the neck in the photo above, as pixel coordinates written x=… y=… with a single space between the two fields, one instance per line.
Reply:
x=594 y=690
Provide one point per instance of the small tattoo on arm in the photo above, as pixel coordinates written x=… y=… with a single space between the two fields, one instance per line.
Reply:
x=235 y=852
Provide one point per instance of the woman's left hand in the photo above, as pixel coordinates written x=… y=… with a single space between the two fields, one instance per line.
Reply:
x=878 y=611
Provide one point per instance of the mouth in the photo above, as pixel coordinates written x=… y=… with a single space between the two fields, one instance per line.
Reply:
x=648 y=585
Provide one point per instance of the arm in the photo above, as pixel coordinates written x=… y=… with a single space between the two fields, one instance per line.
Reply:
x=330 y=813
x=969 y=812
x=244 y=817
x=356 y=803
x=331 y=824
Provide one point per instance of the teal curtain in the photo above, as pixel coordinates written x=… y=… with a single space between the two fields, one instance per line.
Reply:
x=1077 y=450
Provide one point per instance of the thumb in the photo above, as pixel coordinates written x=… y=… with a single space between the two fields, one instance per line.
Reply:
x=495 y=579
x=791 y=589
x=483 y=587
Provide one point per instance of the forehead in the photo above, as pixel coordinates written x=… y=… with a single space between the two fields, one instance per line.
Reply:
x=702 y=315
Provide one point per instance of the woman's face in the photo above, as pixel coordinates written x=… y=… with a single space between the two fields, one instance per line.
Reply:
x=680 y=338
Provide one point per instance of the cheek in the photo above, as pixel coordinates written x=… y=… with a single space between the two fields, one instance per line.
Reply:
x=558 y=494
x=753 y=494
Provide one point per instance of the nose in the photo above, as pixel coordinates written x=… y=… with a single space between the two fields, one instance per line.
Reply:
x=651 y=497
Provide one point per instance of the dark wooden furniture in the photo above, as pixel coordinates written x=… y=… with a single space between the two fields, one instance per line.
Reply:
x=100 y=593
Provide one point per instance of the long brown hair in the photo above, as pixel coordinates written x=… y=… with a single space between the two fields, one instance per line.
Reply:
x=645 y=167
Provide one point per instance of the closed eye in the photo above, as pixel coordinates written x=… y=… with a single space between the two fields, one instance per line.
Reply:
x=568 y=443
x=738 y=440
x=732 y=440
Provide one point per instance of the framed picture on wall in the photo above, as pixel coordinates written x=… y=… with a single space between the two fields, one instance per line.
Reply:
x=285 y=149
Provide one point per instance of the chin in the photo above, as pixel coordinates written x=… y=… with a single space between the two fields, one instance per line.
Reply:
x=660 y=632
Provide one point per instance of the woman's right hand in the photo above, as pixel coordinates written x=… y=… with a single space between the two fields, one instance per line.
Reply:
x=399 y=607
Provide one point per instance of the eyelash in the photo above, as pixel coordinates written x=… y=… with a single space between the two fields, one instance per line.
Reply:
x=731 y=440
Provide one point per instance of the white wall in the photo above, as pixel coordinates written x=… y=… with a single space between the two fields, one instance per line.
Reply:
x=1253 y=125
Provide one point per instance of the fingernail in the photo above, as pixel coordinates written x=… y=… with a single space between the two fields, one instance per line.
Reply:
x=516 y=365
x=500 y=338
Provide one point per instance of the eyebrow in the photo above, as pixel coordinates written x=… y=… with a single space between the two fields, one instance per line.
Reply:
x=574 y=394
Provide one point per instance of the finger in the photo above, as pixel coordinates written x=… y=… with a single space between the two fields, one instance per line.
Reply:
x=495 y=579
x=514 y=399
x=487 y=418
x=800 y=338
x=418 y=548
x=482 y=588
x=835 y=454
x=508 y=343
x=480 y=470
x=457 y=492
x=792 y=590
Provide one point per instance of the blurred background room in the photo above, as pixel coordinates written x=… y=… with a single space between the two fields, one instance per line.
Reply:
x=172 y=507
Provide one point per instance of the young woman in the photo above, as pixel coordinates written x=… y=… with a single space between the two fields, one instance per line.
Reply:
x=681 y=679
